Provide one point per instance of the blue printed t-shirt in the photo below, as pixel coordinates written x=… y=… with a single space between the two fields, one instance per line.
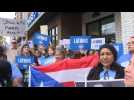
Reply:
x=46 y=60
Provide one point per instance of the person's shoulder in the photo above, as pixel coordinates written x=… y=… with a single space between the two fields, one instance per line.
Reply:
x=4 y=63
x=91 y=74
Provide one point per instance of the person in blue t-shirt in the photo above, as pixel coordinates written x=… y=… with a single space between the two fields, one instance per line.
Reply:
x=37 y=55
x=24 y=66
x=42 y=49
x=46 y=61
x=50 y=58
x=124 y=59
x=43 y=54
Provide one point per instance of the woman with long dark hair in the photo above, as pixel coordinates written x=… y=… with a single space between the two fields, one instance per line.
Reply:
x=107 y=68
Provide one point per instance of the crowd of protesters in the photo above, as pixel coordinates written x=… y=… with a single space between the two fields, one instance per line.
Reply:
x=109 y=67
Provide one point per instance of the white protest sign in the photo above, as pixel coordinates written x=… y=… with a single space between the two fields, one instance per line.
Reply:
x=44 y=29
x=97 y=42
x=12 y=27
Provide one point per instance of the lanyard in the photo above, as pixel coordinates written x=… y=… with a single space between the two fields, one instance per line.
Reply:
x=106 y=75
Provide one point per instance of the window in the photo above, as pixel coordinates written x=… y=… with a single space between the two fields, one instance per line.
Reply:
x=93 y=28
x=108 y=26
x=53 y=33
x=103 y=27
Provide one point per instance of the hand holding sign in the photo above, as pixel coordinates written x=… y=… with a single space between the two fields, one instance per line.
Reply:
x=24 y=61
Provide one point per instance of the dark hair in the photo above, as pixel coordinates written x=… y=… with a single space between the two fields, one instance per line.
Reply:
x=51 y=47
x=1 y=50
x=23 y=47
x=5 y=73
x=2 y=55
x=94 y=73
x=111 y=48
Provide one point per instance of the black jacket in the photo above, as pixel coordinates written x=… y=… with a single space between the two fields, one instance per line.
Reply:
x=95 y=72
x=5 y=74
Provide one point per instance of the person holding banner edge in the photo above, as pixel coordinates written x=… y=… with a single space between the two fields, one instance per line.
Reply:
x=23 y=61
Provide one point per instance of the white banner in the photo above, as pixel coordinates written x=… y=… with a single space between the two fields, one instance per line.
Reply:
x=11 y=27
x=97 y=42
x=44 y=29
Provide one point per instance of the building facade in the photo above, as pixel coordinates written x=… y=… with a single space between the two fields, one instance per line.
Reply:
x=111 y=25
x=105 y=24
x=22 y=15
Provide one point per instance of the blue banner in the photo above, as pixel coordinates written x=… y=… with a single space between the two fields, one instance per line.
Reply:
x=24 y=61
x=119 y=48
x=32 y=17
x=41 y=39
x=80 y=42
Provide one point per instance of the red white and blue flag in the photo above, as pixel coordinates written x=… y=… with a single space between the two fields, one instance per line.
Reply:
x=63 y=73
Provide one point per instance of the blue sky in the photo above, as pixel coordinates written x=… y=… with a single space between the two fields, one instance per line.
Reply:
x=10 y=15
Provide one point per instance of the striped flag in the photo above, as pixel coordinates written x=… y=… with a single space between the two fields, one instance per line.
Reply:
x=63 y=73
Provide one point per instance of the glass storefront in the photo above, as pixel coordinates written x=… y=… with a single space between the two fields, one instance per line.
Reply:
x=53 y=33
x=103 y=27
